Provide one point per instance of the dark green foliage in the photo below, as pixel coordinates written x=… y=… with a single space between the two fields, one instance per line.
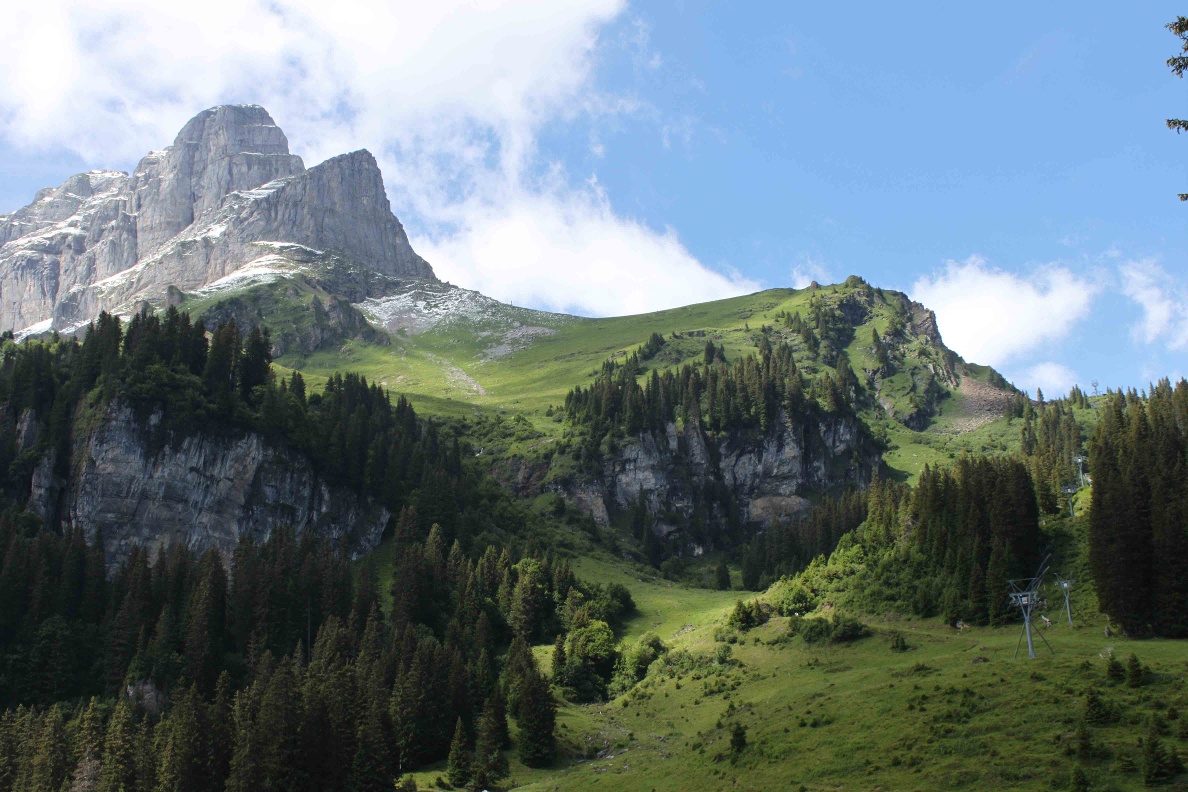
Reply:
x=1097 y=712
x=788 y=546
x=1158 y=767
x=722 y=576
x=1135 y=673
x=749 y=614
x=537 y=716
x=1177 y=64
x=1138 y=539
x=839 y=628
x=458 y=764
x=367 y=701
x=632 y=665
x=1084 y=745
x=738 y=738
x=949 y=545
x=1078 y=781
x=897 y=642
x=490 y=765
x=119 y=751
x=560 y=661
x=591 y=661
x=1115 y=671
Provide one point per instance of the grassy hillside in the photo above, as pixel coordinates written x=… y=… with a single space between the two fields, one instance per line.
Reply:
x=956 y=709
x=457 y=354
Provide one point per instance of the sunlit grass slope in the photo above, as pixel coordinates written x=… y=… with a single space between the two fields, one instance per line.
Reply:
x=954 y=711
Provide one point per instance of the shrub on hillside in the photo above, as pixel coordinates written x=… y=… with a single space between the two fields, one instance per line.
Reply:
x=795 y=600
x=837 y=629
x=749 y=614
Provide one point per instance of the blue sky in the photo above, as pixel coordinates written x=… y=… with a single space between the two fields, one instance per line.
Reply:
x=1010 y=169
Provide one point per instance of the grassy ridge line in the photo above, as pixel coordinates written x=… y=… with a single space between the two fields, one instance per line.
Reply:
x=443 y=371
x=539 y=375
x=447 y=372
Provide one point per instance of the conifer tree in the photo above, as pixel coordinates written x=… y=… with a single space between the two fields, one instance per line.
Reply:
x=458 y=764
x=559 y=661
x=119 y=751
x=536 y=719
x=490 y=765
x=722 y=574
x=244 y=769
x=206 y=619
x=180 y=738
x=220 y=732
x=47 y=766
x=499 y=719
x=371 y=768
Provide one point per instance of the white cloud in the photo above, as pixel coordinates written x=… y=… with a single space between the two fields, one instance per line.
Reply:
x=992 y=317
x=596 y=262
x=451 y=97
x=808 y=270
x=1164 y=303
x=1054 y=378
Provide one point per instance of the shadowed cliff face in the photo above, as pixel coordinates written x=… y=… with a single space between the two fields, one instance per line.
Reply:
x=226 y=196
x=207 y=490
x=748 y=477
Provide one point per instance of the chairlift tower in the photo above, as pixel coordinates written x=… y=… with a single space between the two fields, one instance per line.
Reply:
x=1065 y=586
x=1070 y=490
x=1025 y=594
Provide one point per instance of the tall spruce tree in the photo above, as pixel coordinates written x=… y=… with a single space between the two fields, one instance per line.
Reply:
x=458 y=763
x=490 y=765
x=537 y=718
x=119 y=751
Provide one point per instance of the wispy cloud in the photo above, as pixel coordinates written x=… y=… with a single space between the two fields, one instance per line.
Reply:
x=1054 y=378
x=450 y=96
x=810 y=269
x=1163 y=300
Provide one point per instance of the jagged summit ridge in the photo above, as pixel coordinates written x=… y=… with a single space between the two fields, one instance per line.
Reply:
x=225 y=194
x=220 y=151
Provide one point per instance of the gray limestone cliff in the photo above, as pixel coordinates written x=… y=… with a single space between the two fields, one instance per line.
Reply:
x=204 y=490
x=768 y=476
x=226 y=198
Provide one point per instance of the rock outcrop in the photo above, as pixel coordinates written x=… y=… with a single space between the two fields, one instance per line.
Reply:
x=220 y=151
x=769 y=475
x=206 y=490
x=226 y=196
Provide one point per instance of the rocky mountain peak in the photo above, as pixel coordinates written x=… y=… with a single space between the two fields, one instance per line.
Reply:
x=234 y=129
x=219 y=151
x=226 y=194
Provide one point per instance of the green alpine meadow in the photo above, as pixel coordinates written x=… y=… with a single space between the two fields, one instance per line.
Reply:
x=282 y=509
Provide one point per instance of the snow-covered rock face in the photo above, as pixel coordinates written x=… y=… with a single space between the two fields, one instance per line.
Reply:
x=190 y=216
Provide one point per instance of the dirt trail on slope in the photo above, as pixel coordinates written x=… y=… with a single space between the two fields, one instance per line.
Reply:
x=457 y=377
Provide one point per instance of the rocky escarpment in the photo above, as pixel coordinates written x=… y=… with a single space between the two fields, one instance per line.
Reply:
x=226 y=196
x=205 y=490
x=298 y=325
x=768 y=476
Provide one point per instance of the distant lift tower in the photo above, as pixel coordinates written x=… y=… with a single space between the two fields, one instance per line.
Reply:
x=1025 y=594
x=1070 y=490
x=1065 y=586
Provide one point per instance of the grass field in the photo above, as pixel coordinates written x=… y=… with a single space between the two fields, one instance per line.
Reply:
x=954 y=711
